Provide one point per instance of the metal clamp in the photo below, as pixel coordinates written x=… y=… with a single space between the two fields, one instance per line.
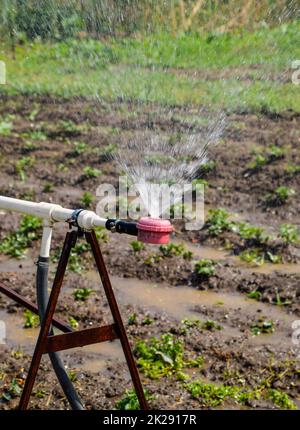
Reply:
x=73 y=221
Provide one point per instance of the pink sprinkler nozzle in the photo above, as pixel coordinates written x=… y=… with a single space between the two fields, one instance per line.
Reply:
x=154 y=230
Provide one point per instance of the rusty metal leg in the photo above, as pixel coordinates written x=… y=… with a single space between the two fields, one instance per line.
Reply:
x=92 y=240
x=70 y=241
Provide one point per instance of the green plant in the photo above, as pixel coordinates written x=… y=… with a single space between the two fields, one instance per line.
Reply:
x=262 y=326
x=211 y=394
x=253 y=256
x=22 y=165
x=218 y=222
x=5 y=127
x=48 y=187
x=251 y=232
x=90 y=172
x=289 y=233
x=208 y=166
x=211 y=325
x=172 y=249
x=73 y=322
x=13 y=390
x=132 y=319
x=130 y=402
x=258 y=162
x=137 y=246
x=279 y=301
x=82 y=293
x=205 y=267
x=87 y=199
x=31 y=320
x=164 y=356
x=16 y=243
x=280 y=399
x=79 y=147
x=254 y=295
x=280 y=195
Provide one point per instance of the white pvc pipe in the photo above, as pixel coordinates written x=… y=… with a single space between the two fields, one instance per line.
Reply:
x=51 y=212
x=46 y=240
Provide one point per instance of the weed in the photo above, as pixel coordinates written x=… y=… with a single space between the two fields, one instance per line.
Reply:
x=262 y=327
x=158 y=357
x=280 y=399
x=87 y=199
x=289 y=233
x=79 y=148
x=205 y=267
x=253 y=256
x=254 y=295
x=211 y=394
x=211 y=325
x=137 y=246
x=48 y=187
x=16 y=243
x=90 y=172
x=31 y=320
x=280 y=196
x=130 y=402
x=132 y=319
x=22 y=166
x=13 y=390
x=73 y=322
x=5 y=127
x=253 y=233
x=218 y=222
x=82 y=293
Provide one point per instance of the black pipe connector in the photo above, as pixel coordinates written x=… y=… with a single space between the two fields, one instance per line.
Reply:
x=119 y=226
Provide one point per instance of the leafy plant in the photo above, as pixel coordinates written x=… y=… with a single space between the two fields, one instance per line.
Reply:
x=90 y=172
x=73 y=322
x=16 y=243
x=289 y=233
x=280 y=195
x=13 y=390
x=22 y=166
x=137 y=246
x=132 y=319
x=5 y=127
x=130 y=402
x=254 y=295
x=211 y=394
x=48 y=187
x=218 y=222
x=31 y=320
x=205 y=267
x=87 y=199
x=211 y=325
x=251 y=232
x=262 y=327
x=82 y=293
x=79 y=147
x=280 y=399
x=164 y=356
x=253 y=256
x=172 y=249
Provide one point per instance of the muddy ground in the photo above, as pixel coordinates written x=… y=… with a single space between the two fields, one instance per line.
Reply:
x=160 y=290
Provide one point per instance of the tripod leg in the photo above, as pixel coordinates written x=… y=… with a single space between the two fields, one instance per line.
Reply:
x=92 y=240
x=47 y=320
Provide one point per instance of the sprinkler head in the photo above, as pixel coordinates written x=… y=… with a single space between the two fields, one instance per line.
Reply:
x=154 y=230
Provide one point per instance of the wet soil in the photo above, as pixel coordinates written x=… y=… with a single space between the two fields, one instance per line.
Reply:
x=162 y=290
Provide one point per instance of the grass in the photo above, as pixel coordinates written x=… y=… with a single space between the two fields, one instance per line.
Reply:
x=146 y=69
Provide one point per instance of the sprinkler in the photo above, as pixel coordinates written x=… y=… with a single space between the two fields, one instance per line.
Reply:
x=154 y=230
x=147 y=229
